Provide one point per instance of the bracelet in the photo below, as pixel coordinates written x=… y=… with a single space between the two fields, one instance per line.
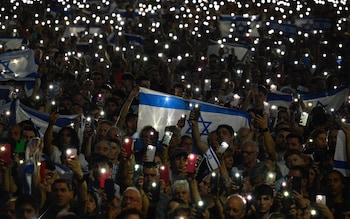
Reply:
x=263 y=130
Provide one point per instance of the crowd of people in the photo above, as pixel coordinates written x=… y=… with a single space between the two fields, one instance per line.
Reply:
x=275 y=168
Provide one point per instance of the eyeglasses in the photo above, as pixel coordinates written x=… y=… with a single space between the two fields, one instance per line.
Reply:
x=247 y=152
x=131 y=199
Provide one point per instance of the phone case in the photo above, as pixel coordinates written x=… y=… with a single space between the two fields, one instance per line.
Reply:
x=191 y=163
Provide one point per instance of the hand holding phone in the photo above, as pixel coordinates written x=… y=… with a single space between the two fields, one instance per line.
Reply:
x=191 y=163
x=5 y=153
x=128 y=145
x=167 y=138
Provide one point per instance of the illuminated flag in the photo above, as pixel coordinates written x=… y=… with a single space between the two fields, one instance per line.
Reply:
x=19 y=65
x=239 y=25
x=20 y=112
x=241 y=51
x=160 y=110
x=331 y=99
x=13 y=43
x=340 y=156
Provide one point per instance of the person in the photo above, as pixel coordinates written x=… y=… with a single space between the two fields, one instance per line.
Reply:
x=62 y=195
x=180 y=189
x=295 y=142
x=151 y=186
x=234 y=207
x=131 y=213
x=249 y=152
x=27 y=207
x=131 y=198
x=262 y=201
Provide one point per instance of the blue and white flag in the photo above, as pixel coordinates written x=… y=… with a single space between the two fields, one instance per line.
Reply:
x=5 y=91
x=331 y=99
x=310 y=24
x=284 y=28
x=160 y=110
x=20 y=112
x=134 y=39
x=19 y=65
x=241 y=51
x=340 y=155
x=239 y=25
x=13 y=43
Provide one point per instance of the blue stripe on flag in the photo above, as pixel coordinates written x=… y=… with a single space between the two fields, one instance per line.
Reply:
x=171 y=102
x=61 y=122
x=322 y=94
x=341 y=164
x=279 y=97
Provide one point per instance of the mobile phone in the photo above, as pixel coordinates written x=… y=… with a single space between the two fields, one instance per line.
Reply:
x=164 y=173
x=207 y=84
x=223 y=146
x=303 y=118
x=71 y=153
x=104 y=174
x=321 y=199
x=296 y=184
x=287 y=199
x=167 y=137
x=154 y=137
x=188 y=90
x=53 y=90
x=20 y=146
x=5 y=152
x=155 y=191
x=128 y=145
x=100 y=100
x=151 y=152
x=42 y=170
x=109 y=189
x=237 y=179
x=270 y=178
x=259 y=112
x=191 y=163
x=201 y=206
x=197 y=110
x=214 y=182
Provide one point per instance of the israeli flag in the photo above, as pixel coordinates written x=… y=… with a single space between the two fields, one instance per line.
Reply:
x=5 y=91
x=330 y=100
x=13 y=43
x=286 y=29
x=239 y=24
x=243 y=52
x=134 y=39
x=340 y=155
x=160 y=110
x=19 y=65
x=20 y=112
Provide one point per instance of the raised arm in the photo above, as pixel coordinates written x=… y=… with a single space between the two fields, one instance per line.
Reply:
x=201 y=145
x=48 y=136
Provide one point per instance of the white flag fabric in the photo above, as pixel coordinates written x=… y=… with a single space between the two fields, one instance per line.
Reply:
x=331 y=99
x=19 y=65
x=241 y=51
x=160 y=110
x=340 y=155
x=20 y=112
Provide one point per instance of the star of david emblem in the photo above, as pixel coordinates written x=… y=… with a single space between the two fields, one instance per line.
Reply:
x=205 y=124
x=6 y=67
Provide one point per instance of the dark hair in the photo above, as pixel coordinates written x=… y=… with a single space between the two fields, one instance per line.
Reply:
x=130 y=211
x=73 y=134
x=262 y=189
x=225 y=126
x=27 y=199
x=303 y=171
x=61 y=180
x=296 y=135
x=291 y=152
